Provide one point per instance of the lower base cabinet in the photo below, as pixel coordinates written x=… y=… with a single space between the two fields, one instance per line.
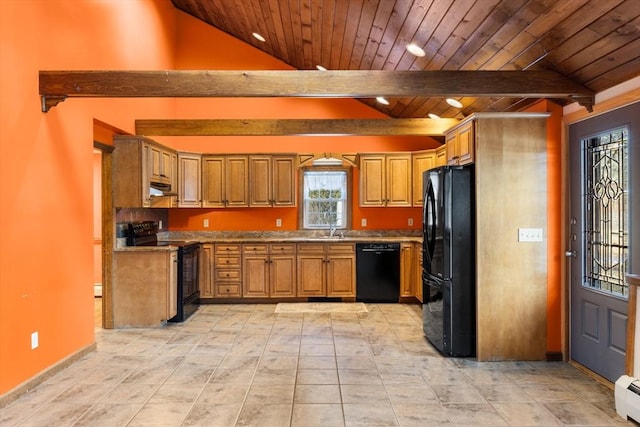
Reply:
x=145 y=287
x=326 y=270
x=269 y=270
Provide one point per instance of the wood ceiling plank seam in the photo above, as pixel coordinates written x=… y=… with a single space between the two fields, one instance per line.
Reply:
x=430 y=24
x=408 y=34
x=294 y=37
x=328 y=13
x=479 y=43
x=611 y=42
x=243 y=23
x=609 y=63
x=316 y=33
x=501 y=39
x=621 y=73
x=213 y=13
x=445 y=30
x=363 y=33
x=354 y=13
x=383 y=14
x=307 y=34
x=337 y=34
x=390 y=35
x=626 y=11
x=277 y=37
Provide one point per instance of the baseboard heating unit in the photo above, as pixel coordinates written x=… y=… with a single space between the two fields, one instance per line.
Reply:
x=627 y=395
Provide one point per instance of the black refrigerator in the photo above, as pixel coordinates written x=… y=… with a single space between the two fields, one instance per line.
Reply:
x=448 y=276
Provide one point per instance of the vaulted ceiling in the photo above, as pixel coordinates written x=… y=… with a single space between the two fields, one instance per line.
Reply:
x=592 y=42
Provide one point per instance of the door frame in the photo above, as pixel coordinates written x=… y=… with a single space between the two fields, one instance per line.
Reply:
x=628 y=98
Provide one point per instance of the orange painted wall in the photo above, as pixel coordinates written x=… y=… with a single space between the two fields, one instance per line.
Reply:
x=46 y=165
x=554 y=227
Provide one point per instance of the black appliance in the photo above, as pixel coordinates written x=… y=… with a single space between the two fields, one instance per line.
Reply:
x=448 y=276
x=377 y=272
x=145 y=233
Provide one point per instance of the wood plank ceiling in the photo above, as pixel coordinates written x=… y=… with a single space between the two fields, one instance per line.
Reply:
x=593 y=42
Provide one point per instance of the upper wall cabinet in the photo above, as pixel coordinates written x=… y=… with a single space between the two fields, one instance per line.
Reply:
x=460 y=144
x=138 y=163
x=385 y=179
x=272 y=180
x=225 y=181
x=189 y=180
x=422 y=161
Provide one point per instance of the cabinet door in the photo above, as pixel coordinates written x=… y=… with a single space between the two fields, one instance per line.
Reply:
x=372 y=180
x=167 y=165
x=421 y=162
x=155 y=163
x=282 y=270
x=341 y=276
x=451 y=141
x=237 y=181
x=406 y=270
x=260 y=181
x=205 y=281
x=284 y=180
x=255 y=269
x=398 y=180
x=172 y=284
x=465 y=144
x=213 y=181
x=189 y=178
x=311 y=275
x=441 y=155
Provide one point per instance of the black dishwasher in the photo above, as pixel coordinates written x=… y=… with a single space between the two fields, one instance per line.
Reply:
x=377 y=272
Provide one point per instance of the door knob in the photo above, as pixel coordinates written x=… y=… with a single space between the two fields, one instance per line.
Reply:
x=570 y=254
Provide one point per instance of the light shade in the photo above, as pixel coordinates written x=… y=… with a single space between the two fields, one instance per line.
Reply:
x=454 y=103
x=321 y=68
x=258 y=37
x=382 y=100
x=415 y=50
x=433 y=116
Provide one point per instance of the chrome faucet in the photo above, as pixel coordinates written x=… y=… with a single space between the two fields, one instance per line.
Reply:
x=332 y=230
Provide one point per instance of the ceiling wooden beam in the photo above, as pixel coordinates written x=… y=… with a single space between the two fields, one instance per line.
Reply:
x=55 y=86
x=280 y=127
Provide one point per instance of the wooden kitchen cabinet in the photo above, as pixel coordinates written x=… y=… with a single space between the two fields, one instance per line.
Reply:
x=441 y=155
x=225 y=181
x=205 y=280
x=460 y=143
x=227 y=271
x=189 y=180
x=406 y=270
x=326 y=270
x=272 y=180
x=421 y=161
x=385 y=179
x=269 y=270
x=145 y=287
x=417 y=278
x=138 y=161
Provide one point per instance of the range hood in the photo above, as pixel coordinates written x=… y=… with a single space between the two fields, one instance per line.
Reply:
x=160 y=189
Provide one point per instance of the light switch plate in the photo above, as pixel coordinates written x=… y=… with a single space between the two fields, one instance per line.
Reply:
x=205 y=223
x=529 y=234
x=34 y=340
x=278 y=222
x=364 y=222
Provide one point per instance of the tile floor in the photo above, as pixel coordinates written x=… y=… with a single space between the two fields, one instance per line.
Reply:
x=244 y=365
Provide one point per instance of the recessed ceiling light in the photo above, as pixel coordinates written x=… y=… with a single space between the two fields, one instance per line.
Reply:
x=258 y=37
x=382 y=100
x=321 y=68
x=454 y=103
x=433 y=116
x=416 y=50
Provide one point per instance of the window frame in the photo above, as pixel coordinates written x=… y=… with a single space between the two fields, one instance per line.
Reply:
x=348 y=199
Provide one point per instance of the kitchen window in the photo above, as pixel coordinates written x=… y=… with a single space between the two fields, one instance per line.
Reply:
x=325 y=198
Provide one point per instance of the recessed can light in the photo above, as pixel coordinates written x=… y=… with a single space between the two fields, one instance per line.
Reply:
x=258 y=37
x=433 y=116
x=382 y=100
x=416 y=50
x=321 y=68
x=454 y=103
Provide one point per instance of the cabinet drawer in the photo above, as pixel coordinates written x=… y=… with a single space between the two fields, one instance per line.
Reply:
x=223 y=248
x=230 y=274
x=227 y=291
x=227 y=261
x=343 y=248
x=283 y=248
x=311 y=248
x=254 y=249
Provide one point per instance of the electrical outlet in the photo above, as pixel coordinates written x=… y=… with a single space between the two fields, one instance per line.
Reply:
x=410 y=222
x=160 y=225
x=278 y=222
x=34 y=340
x=205 y=223
x=363 y=222
x=529 y=234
